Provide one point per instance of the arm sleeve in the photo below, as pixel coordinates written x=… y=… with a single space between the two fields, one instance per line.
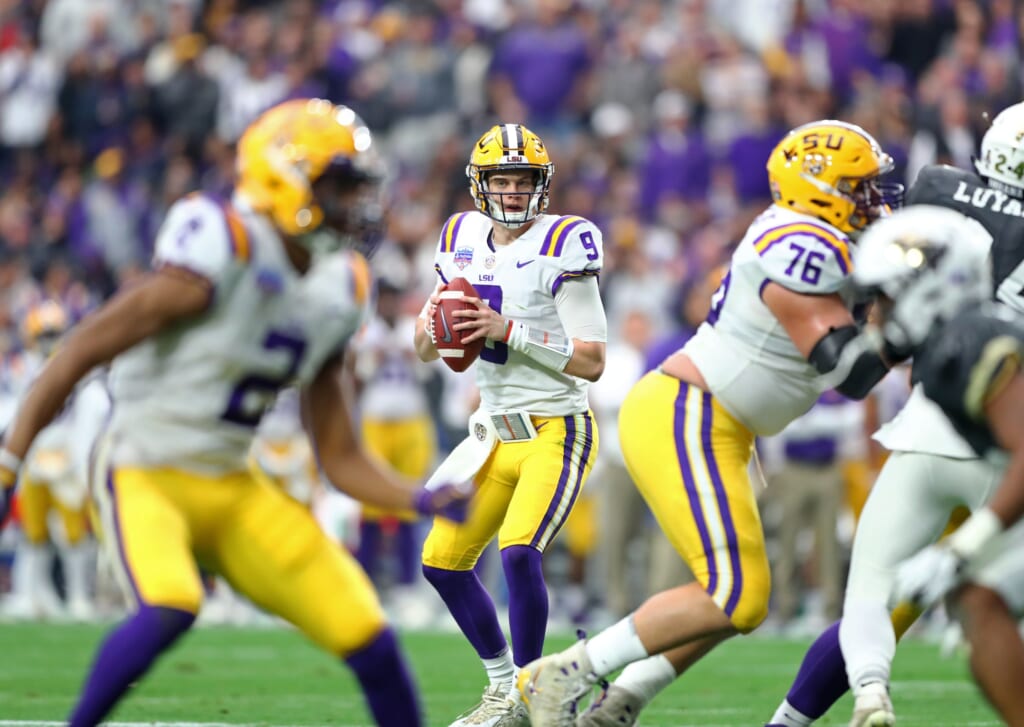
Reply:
x=198 y=236
x=581 y=311
x=805 y=258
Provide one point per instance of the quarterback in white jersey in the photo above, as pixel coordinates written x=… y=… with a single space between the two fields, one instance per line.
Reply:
x=782 y=316
x=541 y=315
x=246 y=298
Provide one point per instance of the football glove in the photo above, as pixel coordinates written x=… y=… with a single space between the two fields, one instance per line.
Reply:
x=927 y=576
x=449 y=501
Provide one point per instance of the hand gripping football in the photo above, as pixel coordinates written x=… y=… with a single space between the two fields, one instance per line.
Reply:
x=448 y=340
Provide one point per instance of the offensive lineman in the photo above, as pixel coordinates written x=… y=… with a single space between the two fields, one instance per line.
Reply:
x=545 y=327
x=781 y=317
x=928 y=458
x=246 y=297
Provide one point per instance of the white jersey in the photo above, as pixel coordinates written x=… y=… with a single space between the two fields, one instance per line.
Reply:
x=921 y=426
x=191 y=396
x=386 y=365
x=746 y=357
x=520 y=280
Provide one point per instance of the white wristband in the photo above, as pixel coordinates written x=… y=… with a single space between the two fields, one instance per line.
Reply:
x=975 y=533
x=9 y=460
x=552 y=350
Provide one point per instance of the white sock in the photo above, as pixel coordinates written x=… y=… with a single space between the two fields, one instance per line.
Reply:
x=789 y=716
x=615 y=647
x=868 y=642
x=647 y=677
x=500 y=669
x=514 y=694
x=76 y=566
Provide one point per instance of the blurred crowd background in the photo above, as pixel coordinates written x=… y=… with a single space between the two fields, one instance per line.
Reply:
x=658 y=114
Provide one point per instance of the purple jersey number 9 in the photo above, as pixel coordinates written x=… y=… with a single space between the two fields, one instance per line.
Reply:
x=254 y=393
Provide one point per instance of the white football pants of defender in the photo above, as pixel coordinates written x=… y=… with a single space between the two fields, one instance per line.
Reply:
x=908 y=508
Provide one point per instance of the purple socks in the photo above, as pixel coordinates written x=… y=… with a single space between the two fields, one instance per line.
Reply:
x=406 y=551
x=471 y=607
x=821 y=680
x=125 y=656
x=527 y=601
x=387 y=684
x=369 y=547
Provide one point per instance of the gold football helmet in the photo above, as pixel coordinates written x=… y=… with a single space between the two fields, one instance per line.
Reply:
x=43 y=325
x=509 y=147
x=302 y=163
x=829 y=170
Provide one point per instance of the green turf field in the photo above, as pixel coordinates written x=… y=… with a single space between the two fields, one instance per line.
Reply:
x=273 y=677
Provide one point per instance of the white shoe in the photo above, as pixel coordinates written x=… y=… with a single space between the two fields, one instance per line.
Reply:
x=872 y=707
x=616 y=707
x=81 y=610
x=552 y=685
x=495 y=709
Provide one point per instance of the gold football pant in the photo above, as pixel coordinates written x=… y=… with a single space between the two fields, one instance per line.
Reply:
x=407 y=446
x=524 y=493
x=689 y=458
x=35 y=501
x=159 y=525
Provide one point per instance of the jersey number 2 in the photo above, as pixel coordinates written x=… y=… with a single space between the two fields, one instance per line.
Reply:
x=255 y=392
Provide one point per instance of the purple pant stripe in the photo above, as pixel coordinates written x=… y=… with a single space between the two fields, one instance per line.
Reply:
x=679 y=429
x=588 y=432
x=119 y=537
x=723 y=508
x=563 y=478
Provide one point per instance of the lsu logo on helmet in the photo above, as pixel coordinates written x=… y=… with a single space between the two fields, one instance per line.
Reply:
x=829 y=170
x=505 y=148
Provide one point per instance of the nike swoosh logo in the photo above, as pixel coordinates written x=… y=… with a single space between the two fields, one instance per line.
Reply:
x=521 y=264
x=446 y=334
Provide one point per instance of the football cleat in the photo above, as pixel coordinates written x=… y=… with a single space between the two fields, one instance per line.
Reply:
x=872 y=707
x=552 y=686
x=616 y=707
x=493 y=707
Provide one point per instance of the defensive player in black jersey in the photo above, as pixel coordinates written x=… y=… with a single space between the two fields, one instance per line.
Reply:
x=927 y=457
x=970 y=365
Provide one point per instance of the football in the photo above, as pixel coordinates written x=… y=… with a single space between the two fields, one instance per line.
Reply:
x=459 y=357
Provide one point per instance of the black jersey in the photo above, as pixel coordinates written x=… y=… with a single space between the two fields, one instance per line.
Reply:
x=1001 y=215
x=966 y=361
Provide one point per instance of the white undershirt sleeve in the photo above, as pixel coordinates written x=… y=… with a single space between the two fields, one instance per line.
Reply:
x=578 y=302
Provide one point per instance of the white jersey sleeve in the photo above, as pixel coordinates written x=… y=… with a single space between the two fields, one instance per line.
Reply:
x=199 y=235
x=805 y=257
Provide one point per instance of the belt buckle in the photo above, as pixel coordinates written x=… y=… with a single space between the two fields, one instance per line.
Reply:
x=513 y=425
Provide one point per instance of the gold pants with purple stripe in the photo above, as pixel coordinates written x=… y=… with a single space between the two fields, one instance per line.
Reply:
x=524 y=493
x=160 y=525
x=689 y=458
